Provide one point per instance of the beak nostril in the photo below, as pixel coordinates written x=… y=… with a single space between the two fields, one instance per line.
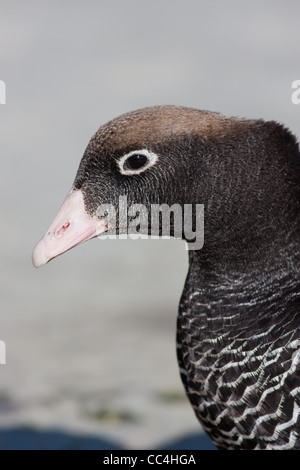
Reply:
x=62 y=229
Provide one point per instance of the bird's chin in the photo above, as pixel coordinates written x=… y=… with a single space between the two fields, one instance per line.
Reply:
x=71 y=226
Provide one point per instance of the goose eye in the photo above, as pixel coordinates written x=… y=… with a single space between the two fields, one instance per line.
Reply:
x=135 y=162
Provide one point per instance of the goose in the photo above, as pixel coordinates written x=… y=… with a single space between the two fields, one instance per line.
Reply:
x=238 y=327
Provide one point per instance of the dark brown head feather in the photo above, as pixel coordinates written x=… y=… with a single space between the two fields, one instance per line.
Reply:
x=156 y=124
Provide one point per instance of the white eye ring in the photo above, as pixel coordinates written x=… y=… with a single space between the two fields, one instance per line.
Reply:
x=152 y=158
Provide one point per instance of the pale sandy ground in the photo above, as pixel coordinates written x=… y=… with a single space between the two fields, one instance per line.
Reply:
x=89 y=367
x=91 y=337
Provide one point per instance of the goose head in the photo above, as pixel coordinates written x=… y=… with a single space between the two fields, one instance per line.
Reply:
x=167 y=155
x=145 y=158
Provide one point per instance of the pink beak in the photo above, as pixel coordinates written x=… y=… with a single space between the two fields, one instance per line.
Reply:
x=71 y=226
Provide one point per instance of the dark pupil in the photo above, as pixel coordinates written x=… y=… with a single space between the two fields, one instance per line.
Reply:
x=135 y=162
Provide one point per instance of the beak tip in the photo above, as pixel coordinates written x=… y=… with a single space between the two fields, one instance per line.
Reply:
x=71 y=226
x=38 y=256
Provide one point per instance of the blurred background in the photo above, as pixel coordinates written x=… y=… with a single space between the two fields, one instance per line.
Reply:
x=90 y=338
